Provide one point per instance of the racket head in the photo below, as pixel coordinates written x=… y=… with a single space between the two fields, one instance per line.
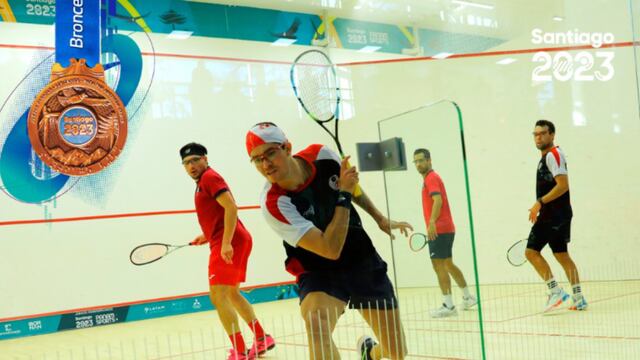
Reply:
x=147 y=253
x=515 y=254
x=315 y=84
x=417 y=241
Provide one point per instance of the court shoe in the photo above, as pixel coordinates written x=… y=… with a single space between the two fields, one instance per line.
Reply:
x=364 y=346
x=556 y=300
x=579 y=304
x=444 y=311
x=261 y=346
x=469 y=302
x=235 y=355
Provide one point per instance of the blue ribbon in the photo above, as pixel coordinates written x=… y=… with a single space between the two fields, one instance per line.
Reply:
x=78 y=31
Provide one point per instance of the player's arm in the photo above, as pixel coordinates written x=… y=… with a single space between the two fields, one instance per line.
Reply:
x=432 y=229
x=435 y=208
x=386 y=225
x=329 y=243
x=562 y=186
x=230 y=221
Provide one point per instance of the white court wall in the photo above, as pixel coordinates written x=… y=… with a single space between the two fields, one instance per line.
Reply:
x=60 y=266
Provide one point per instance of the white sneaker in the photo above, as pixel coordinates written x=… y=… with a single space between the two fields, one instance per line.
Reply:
x=469 y=302
x=556 y=300
x=444 y=311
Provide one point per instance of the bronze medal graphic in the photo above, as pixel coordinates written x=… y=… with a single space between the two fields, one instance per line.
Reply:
x=77 y=124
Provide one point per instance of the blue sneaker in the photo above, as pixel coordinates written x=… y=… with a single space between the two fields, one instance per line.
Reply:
x=579 y=304
x=556 y=300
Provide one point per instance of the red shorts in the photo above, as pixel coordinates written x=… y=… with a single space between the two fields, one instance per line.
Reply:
x=221 y=273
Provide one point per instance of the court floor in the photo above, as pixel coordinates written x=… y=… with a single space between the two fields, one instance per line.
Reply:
x=513 y=328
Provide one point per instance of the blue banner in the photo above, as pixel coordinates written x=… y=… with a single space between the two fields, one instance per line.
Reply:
x=78 y=31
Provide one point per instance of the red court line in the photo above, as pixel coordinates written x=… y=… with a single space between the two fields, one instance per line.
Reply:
x=167 y=298
x=371 y=62
x=110 y=216
x=496 y=53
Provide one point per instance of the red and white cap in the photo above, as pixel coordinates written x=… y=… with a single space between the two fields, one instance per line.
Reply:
x=264 y=133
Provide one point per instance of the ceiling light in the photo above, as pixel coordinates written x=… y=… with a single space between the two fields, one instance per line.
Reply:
x=442 y=55
x=558 y=18
x=283 y=42
x=179 y=34
x=369 y=49
x=472 y=4
x=506 y=61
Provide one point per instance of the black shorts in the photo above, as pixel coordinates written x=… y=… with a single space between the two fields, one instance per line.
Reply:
x=362 y=286
x=442 y=246
x=556 y=234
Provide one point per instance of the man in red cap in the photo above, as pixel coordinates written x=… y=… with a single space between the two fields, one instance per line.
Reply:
x=230 y=245
x=307 y=202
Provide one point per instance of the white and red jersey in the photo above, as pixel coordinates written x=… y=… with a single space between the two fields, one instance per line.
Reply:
x=291 y=214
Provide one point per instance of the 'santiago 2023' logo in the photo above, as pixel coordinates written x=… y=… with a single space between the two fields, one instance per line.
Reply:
x=585 y=65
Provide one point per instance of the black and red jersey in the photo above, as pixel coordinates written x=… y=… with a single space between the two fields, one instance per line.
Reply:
x=551 y=165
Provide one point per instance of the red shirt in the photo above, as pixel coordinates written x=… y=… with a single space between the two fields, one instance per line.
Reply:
x=433 y=185
x=210 y=212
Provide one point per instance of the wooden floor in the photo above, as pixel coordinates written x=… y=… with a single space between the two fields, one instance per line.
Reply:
x=513 y=328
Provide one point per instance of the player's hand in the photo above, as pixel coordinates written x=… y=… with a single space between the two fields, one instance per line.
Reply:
x=387 y=225
x=227 y=253
x=534 y=211
x=348 y=176
x=199 y=240
x=432 y=231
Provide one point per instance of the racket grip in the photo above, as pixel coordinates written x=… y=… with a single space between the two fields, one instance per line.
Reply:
x=357 y=192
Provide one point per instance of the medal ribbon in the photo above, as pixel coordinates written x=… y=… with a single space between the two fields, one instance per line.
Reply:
x=78 y=31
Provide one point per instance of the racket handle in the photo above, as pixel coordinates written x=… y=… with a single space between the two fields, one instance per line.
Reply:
x=357 y=192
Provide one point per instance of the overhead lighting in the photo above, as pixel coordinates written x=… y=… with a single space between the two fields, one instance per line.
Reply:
x=558 y=18
x=283 y=42
x=179 y=34
x=506 y=61
x=442 y=55
x=369 y=49
x=472 y=4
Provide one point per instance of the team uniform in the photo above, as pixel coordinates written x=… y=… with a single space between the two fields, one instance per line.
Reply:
x=442 y=246
x=553 y=226
x=359 y=275
x=211 y=219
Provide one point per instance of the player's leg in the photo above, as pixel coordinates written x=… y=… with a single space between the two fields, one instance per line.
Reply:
x=468 y=300
x=320 y=312
x=224 y=281
x=220 y=298
x=559 y=246
x=372 y=294
x=387 y=327
x=538 y=239
x=439 y=251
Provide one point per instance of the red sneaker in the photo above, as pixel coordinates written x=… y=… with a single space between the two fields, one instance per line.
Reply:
x=235 y=355
x=261 y=346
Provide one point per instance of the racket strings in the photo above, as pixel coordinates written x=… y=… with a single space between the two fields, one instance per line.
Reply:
x=148 y=253
x=417 y=241
x=316 y=85
x=516 y=254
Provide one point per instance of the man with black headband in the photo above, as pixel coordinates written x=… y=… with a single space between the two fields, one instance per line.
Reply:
x=230 y=245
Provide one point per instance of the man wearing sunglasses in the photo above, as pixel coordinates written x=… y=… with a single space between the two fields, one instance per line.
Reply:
x=230 y=245
x=307 y=202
